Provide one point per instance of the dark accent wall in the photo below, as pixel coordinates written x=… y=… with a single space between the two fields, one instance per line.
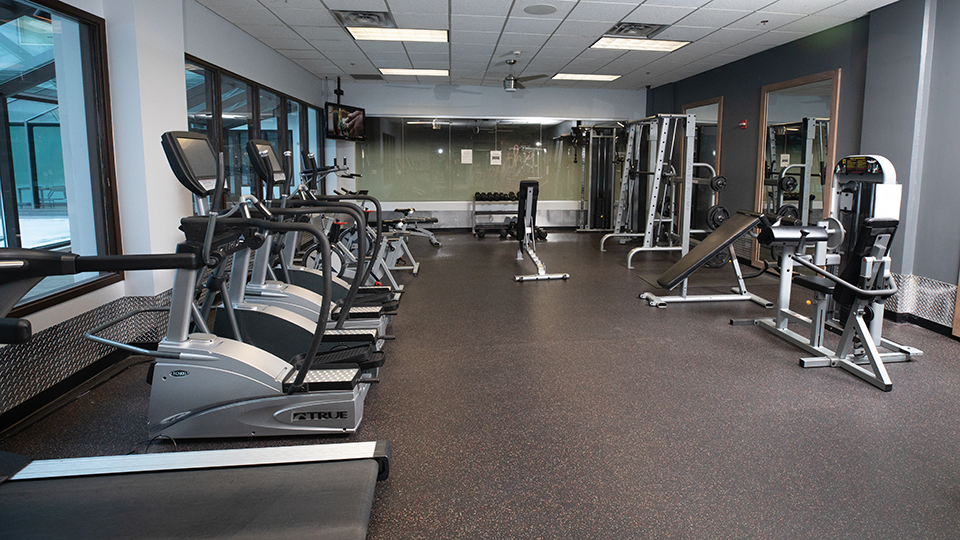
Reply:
x=890 y=101
x=739 y=83
x=938 y=229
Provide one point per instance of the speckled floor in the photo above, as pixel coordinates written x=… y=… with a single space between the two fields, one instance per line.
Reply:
x=572 y=409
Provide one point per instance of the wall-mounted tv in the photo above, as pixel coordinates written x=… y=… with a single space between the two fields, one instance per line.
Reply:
x=345 y=122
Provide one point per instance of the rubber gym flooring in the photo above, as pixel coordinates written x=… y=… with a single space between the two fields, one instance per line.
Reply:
x=572 y=409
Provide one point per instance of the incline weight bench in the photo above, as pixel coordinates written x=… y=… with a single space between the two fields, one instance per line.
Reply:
x=710 y=247
x=526 y=227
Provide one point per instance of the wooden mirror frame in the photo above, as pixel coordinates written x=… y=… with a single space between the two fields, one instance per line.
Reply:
x=711 y=101
x=834 y=77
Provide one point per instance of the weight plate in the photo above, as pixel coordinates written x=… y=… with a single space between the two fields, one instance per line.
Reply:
x=719 y=260
x=788 y=183
x=835 y=233
x=718 y=183
x=716 y=215
x=789 y=211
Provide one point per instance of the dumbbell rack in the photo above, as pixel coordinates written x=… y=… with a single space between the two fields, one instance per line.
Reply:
x=474 y=225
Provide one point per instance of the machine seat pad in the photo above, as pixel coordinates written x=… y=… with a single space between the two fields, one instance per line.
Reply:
x=815 y=283
x=415 y=220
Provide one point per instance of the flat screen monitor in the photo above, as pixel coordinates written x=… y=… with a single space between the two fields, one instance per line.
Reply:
x=275 y=165
x=345 y=122
x=200 y=160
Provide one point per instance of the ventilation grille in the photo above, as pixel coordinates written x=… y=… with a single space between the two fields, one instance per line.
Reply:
x=366 y=77
x=368 y=19
x=635 y=30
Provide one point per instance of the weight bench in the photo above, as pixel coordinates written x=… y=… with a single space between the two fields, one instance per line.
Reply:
x=409 y=219
x=526 y=232
x=705 y=251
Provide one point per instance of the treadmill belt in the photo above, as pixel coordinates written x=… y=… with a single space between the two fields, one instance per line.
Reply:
x=305 y=500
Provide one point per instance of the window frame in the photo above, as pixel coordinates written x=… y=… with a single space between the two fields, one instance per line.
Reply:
x=109 y=219
x=283 y=142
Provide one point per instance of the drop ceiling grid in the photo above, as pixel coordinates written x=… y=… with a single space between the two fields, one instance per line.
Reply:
x=484 y=33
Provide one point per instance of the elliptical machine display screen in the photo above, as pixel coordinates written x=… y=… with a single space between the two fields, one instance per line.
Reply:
x=200 y=160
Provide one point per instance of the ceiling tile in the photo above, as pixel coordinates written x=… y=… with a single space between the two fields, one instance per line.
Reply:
x=430 y=57
x=286 y=4
x=390 y=60
x=531 y=25
x=685 y=33
x=374 y=47
x=653 y=14
x=420 y=6
x=338 y=46
x=747 y=48
x=431 y=48
x=284 y=43
x=678 y=3
x=571 y=42
x=717 y=18
x=356 y=5
x=270 y=31
x=476 y=23
x=854 y=9
x=475 y=38
x=763 y=20
x=486 y=7
x=328 y=33
x=528 y=41
x=777 y=37
x=812 y=24
x=301 y=54
x=751 y=5
x=220 y=4
x=242 y=16
x=427 y=21
x=802 y=7
x=306 y=17
x=731 y=36
x=592 y=30
x=563 y=8
x=596 y=11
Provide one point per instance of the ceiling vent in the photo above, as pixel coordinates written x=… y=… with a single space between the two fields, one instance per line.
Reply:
x=366 y=19
x=635 y=30
x=366 y=77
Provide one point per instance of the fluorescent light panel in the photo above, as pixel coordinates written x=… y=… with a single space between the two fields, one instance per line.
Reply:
x=397 y=34
x=584 y=77
x=416 y=72
x=635 y=44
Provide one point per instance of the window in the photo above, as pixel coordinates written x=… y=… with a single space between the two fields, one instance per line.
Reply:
x=55 y=151
x=246 y=110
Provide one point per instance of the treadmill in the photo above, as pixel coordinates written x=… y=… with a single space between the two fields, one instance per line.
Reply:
x=320 y=491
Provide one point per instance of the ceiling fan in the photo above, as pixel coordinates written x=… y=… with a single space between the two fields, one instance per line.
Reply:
x=512 y=83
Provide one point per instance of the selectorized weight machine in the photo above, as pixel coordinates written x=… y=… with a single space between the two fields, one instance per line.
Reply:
x=848 y=302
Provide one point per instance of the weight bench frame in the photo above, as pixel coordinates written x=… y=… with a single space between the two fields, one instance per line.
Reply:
x=706 y=250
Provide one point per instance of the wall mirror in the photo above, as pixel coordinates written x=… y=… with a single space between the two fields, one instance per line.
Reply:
x=795 y=159
x=706 y=149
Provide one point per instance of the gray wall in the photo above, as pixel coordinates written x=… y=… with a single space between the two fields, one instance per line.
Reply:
x=739 y=83
x=938 y=228
x=890 y=101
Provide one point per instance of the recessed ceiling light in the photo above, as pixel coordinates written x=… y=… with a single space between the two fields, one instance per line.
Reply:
x=415 y=72
x=397 y=34
x=584 y=77
x=540 y=9
x=638 y=44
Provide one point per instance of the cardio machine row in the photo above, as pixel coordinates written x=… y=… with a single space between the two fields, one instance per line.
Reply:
x=249 y=353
